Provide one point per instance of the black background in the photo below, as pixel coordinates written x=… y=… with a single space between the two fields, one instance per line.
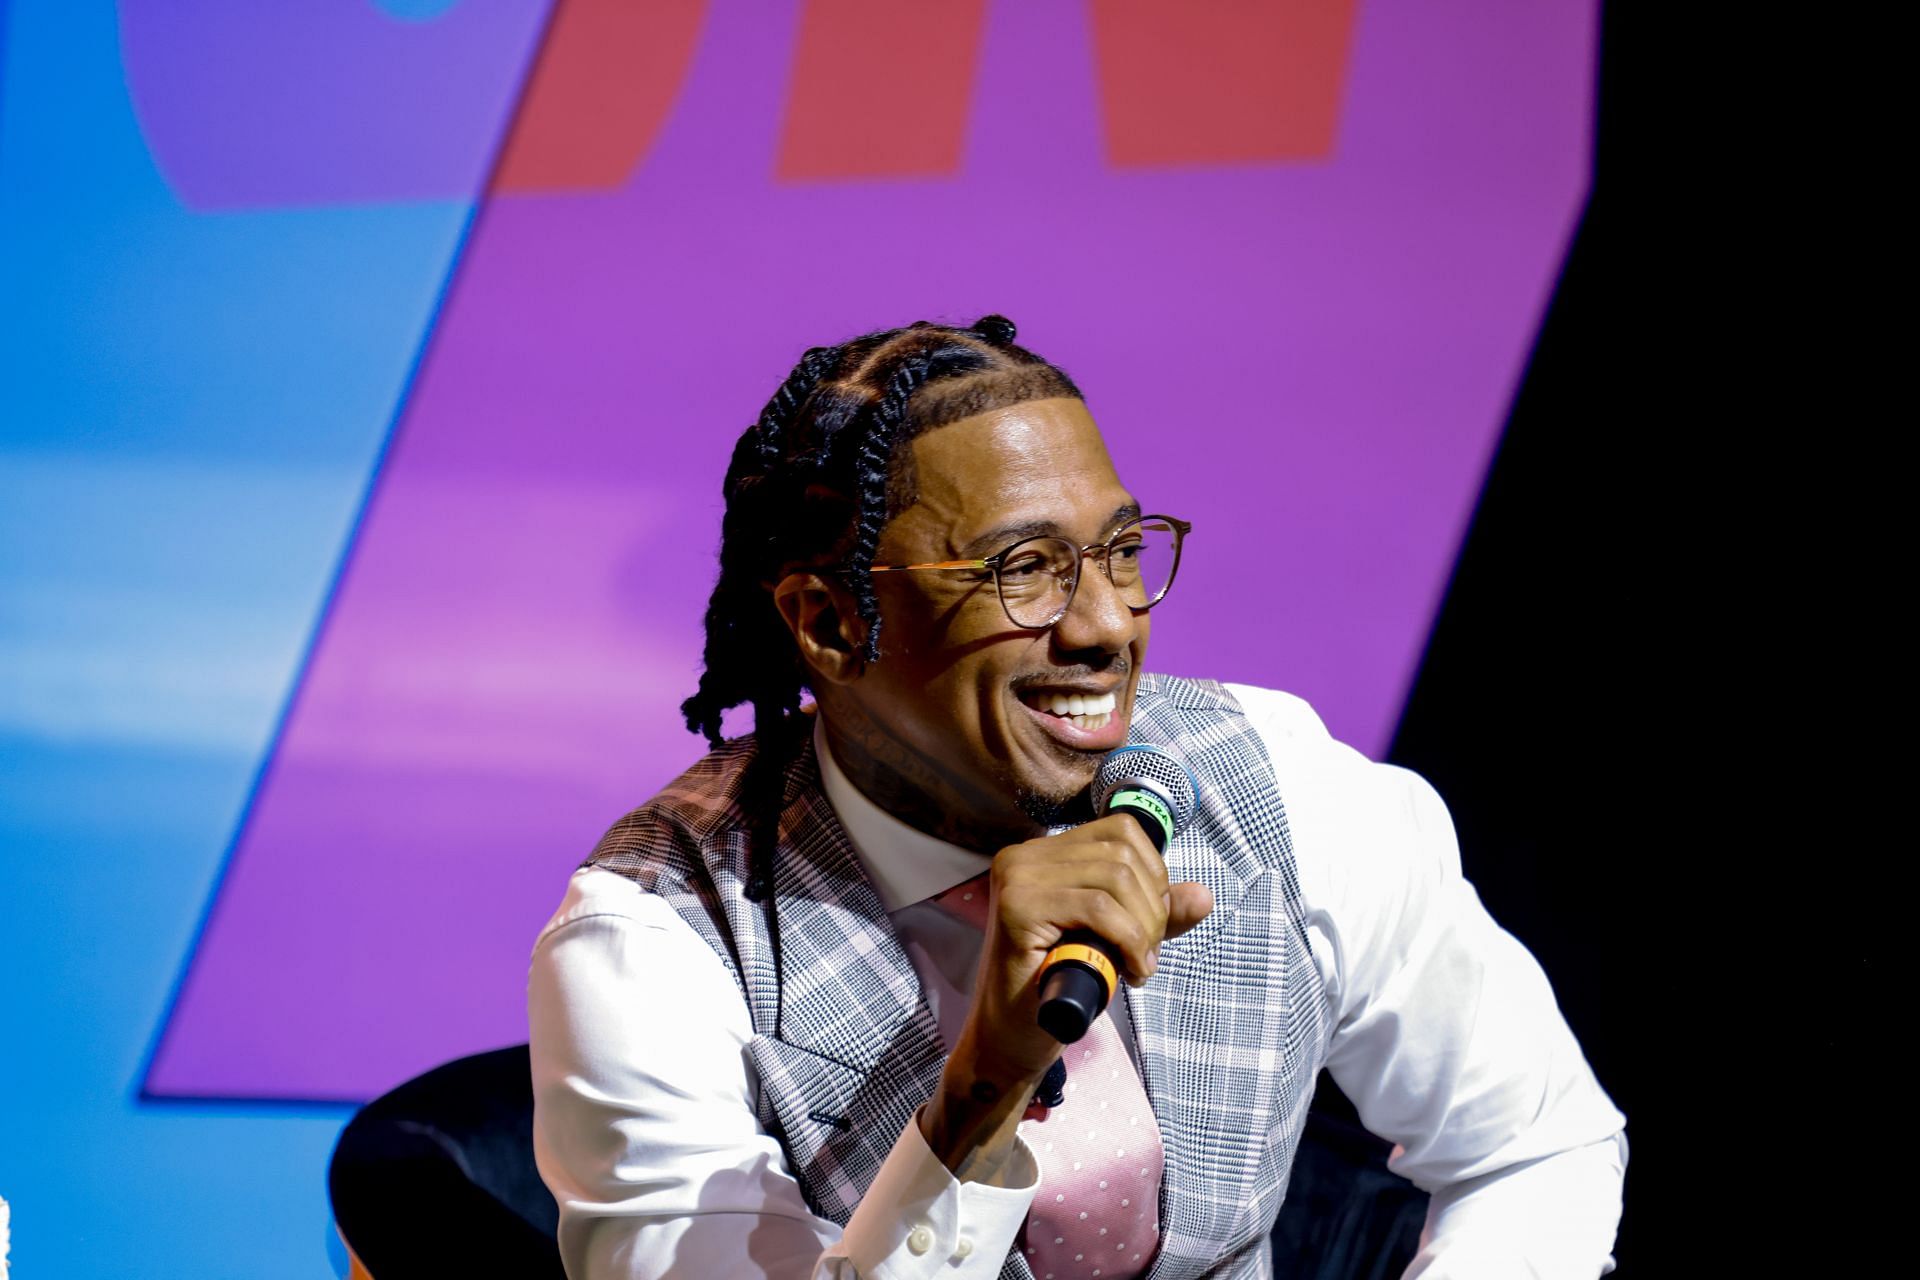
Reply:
x=1637 y=696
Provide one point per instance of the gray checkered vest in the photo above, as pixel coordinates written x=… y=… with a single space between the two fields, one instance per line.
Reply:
x=1231 y=1029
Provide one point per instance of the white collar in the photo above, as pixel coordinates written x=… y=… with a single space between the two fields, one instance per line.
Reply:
x=905 y=864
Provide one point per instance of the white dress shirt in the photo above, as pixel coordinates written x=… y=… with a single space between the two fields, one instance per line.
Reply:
x=1444 y=1034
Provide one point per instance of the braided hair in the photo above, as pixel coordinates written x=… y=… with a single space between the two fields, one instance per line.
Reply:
x=813 y=483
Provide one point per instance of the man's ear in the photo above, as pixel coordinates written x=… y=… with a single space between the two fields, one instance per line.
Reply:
x=824 y=622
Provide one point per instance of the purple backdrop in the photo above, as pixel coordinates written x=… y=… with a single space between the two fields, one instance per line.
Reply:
x=318 y=102
x=1310 y=361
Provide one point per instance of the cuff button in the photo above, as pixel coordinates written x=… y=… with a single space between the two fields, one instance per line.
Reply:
x=919 y=1240
x=964 y=1248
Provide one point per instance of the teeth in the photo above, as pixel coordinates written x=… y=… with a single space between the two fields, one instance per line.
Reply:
x=1087 y=712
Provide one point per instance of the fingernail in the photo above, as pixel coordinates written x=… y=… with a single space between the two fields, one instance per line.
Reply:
x=1153 y=958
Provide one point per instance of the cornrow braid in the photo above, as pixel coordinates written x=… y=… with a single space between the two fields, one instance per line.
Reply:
x=996 y=329
x=735 y=627
x=787 y=400
x=873 y=473
x=813 y=484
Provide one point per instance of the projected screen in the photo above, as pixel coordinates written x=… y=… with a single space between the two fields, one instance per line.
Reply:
x=518 y=276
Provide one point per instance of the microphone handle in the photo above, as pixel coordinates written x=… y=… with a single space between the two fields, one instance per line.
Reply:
x=1080 y=976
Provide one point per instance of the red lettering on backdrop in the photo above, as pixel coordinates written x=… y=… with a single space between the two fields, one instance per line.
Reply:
x=880 y=88
x=1220 y=81
x=606 y=76
x=883 y=89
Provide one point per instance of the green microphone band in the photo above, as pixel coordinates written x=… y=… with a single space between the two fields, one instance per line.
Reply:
x=1145 y=801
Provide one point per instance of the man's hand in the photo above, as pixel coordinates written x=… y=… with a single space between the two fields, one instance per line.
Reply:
x=1105 y=878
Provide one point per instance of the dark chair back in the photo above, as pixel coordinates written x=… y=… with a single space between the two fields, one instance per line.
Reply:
x=437 y=1177
x=1346 y=1216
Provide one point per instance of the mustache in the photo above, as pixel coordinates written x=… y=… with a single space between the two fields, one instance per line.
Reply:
x=1121 y=666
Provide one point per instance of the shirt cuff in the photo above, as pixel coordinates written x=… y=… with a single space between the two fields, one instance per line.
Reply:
x=917 y=1220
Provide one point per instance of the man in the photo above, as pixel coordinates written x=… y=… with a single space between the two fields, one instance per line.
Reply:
x=785 y=1021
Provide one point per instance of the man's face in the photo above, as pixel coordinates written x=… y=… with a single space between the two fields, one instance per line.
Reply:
x=965 y=697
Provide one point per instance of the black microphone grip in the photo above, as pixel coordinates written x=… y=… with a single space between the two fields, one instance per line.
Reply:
x=1081 y=974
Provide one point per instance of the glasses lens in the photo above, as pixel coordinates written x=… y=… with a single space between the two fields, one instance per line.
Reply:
x=1143 y=559
x=1036 y=580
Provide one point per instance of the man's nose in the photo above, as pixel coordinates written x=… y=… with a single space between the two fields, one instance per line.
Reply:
x=1097 y=617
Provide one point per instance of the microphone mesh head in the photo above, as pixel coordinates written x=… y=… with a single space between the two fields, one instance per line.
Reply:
x=1155 y=770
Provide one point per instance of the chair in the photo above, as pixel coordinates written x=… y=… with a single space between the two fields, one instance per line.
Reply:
x=437 y=1178
x=1346 y=1215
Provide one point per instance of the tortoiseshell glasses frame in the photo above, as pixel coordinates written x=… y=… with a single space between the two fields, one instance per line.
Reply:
x=1036 y=577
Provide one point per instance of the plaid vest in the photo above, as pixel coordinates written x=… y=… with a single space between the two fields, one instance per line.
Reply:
x=1232 y=1029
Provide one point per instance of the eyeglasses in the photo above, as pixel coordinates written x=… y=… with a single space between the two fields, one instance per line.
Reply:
x=1036 y=577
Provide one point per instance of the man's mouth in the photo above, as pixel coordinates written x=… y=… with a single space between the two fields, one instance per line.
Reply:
x=1087 y=712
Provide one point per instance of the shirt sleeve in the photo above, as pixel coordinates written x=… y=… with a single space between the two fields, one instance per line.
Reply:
x=1446 y=1035
x=645 y=1129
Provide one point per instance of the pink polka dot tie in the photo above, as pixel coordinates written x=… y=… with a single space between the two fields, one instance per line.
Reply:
x=1097 y=1212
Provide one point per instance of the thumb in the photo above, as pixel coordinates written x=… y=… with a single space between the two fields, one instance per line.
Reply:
x=1189 y=903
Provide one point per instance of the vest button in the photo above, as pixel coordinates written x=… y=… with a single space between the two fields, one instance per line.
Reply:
x=919 y=1240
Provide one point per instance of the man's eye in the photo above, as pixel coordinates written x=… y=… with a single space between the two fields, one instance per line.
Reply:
x=1023 y=567
x=1127 y=550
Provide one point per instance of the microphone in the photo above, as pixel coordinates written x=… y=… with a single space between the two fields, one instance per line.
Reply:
x=1080 y=976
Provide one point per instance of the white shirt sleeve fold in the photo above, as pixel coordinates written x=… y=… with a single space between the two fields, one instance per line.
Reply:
x=645 y=1129
x=1446 y=1034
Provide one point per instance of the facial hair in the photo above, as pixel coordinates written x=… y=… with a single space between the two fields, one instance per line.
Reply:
x=1053 y=811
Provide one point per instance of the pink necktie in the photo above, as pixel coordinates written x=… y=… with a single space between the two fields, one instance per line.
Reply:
x=1097 y=1212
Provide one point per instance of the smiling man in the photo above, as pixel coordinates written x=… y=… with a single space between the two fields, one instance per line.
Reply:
x=785 y=1021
